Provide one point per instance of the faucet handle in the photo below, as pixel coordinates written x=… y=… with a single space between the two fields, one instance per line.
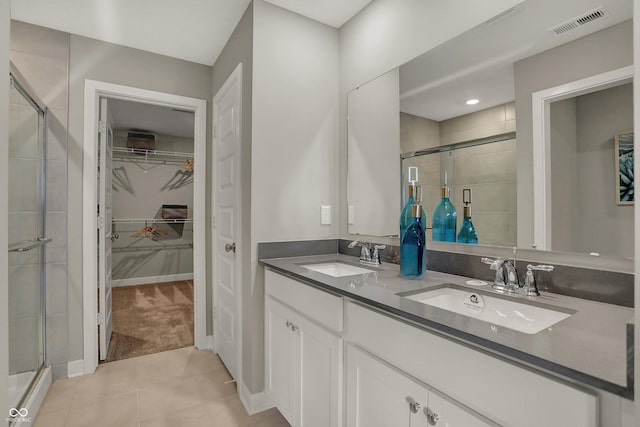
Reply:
x=494 y=264
x=376 y=253
x=530 y=287
x=541 y=267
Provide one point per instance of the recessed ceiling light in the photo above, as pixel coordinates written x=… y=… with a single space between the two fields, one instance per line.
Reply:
x=472 y=101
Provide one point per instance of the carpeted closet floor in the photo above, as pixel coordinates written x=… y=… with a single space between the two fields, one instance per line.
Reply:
x=151 y=318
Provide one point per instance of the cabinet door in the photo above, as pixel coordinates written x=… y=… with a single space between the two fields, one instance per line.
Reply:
x=279 y=354
x=442 y=411
x=379 y=395
x=319 y=364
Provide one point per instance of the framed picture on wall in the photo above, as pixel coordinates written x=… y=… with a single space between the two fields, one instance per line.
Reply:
x=624 y=167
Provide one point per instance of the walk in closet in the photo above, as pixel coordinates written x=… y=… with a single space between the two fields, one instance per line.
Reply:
x=151 y=198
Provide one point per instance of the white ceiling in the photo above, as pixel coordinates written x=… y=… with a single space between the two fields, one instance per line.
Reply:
x=155 y=119
x=334 y=13
x=193 y=30
x=479 y=63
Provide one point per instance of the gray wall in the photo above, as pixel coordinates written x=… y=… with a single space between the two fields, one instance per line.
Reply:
x=584 y=205
x=294 y=164
x=96 y=60
x=42 y=57
x=5 y=9
x=597 y=53
x=239 y=49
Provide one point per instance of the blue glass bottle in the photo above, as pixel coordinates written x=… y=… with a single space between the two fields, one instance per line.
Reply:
x=468 y=232
x=406 y=217
x=444 y=219
x=413 y=249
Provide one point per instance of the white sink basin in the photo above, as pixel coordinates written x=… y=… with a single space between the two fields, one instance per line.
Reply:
x=526 y=318
x=337 y=269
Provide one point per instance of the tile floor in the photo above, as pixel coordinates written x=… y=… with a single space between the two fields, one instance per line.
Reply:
x=177 y=388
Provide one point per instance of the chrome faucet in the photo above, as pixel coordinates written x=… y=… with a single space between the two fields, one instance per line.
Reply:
x=366 y=257
x=530 y=288
x=506 y=279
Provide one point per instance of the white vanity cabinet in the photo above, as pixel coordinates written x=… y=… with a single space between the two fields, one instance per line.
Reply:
x=303 y=356
x=487 y=384
x=379 y=395
x=397 y=373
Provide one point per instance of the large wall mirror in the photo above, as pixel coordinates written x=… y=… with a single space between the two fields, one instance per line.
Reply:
x=553 y=175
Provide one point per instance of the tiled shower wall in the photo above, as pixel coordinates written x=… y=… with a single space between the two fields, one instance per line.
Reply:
x=489 y=170
x=42 y=57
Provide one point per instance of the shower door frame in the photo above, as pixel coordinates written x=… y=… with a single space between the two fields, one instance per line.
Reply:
x=19 y=83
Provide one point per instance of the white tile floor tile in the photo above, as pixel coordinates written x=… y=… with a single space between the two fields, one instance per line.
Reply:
x=184 y=387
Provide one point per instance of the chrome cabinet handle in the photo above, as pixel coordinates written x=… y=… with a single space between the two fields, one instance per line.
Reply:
x=414 y=407
x=432 y=417
x=230 y=247
x=291 y=326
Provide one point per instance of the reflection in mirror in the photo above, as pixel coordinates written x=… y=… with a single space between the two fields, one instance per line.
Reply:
x=374 y=139
x=502 y=63
x=587 y=215
x=486 y=167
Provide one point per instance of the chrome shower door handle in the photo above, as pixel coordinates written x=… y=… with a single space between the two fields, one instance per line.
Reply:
x=230 y=247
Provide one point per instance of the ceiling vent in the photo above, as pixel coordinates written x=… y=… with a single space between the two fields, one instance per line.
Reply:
x=578 y=21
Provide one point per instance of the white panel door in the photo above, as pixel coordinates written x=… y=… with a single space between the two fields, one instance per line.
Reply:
x=319 y=379
x=380 y=396
x=227 y=290
x=279 y=352
x=105 y=141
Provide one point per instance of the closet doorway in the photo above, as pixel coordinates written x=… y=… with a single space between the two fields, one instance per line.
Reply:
x=148 y=188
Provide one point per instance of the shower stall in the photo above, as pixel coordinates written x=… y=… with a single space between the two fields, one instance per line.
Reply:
x=28 y=376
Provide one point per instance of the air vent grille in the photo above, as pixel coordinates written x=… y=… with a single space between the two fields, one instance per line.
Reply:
x=578 y=21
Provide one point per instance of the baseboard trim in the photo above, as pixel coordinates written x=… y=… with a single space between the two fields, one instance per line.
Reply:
x=152 y=279
x=210 y=343
x=75 y=368
x=254 y=403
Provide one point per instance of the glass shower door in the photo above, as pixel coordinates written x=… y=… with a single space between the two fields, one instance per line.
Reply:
x=26 y=242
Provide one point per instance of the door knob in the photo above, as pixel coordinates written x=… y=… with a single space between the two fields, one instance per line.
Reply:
x=114 y=236
x=230 y=247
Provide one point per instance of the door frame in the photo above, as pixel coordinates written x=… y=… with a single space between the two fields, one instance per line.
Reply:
x=236 y=75
x=93 y=90
x=541 y=121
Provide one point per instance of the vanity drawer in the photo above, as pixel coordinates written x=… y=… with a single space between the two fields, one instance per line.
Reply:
x=320 y=306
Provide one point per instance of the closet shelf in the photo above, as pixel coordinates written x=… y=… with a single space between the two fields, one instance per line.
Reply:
x=137 y=155
x=151 y=220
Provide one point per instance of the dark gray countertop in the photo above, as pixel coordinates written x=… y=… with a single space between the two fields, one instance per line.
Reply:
x=590 y=346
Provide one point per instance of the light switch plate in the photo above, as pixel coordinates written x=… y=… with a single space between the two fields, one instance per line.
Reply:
x=325 y=215
x=351 y=214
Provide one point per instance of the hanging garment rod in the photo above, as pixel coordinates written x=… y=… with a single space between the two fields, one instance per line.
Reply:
x=138 y=152
x=149 y=248
x=152 y=220
x=27 y=245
